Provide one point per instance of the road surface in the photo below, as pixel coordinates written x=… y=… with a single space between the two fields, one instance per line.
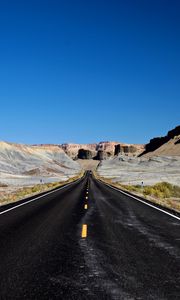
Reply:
x=88 y=241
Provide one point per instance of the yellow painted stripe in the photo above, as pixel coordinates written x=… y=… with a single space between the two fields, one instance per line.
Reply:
x=84 y=231
x=85 y=206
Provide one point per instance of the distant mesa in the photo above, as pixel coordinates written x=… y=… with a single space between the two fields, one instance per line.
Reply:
x=101 y=151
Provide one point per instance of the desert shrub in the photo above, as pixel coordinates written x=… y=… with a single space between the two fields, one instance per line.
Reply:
x=176 y=191
x=159 y=190
x=147 y=190
x=35 y=189
x=162 y=190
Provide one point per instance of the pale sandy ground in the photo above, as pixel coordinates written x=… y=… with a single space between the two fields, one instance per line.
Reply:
x=134 y=170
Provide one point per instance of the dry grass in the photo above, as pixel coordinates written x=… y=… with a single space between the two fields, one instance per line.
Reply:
x=34 y=190
x=162 y=193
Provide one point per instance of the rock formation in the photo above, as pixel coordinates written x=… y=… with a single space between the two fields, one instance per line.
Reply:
x=102 y=150
x=127 y=149
x=157 y=142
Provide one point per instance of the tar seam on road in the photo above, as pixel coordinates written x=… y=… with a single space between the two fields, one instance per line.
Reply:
x=84 y=231
x=167 y=213
x=48 y=193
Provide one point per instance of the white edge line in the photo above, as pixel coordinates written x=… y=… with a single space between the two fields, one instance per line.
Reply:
x=62 y=187
x=167 y=213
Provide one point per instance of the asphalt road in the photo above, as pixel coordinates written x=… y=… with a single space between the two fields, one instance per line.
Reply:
x=88 y=241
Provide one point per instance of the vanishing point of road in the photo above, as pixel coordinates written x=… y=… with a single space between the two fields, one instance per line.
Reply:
x=88 y=241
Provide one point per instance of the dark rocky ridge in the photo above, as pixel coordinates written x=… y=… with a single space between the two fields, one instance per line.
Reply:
x=157 y=142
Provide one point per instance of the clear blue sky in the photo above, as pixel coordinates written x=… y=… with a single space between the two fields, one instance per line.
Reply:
x=86 y=71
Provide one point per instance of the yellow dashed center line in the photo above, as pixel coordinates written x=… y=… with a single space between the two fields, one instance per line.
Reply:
x=84 y=226
x=84 y=231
